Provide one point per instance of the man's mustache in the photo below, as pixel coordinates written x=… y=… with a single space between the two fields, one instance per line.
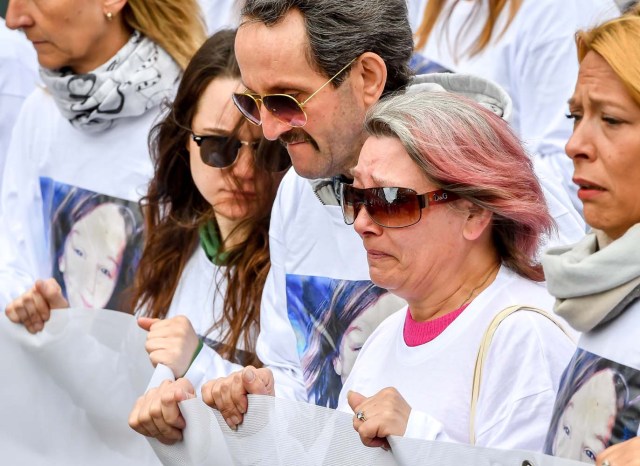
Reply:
x=296 y=135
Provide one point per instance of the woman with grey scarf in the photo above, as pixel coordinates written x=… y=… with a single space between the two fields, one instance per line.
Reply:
x=78 y=162
x=597 y=281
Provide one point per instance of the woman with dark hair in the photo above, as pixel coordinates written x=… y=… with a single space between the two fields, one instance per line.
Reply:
x=207 y=213
x=593 y=394
x=452 y=215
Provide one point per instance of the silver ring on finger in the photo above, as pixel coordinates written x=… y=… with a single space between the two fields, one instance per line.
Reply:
x=360 y=416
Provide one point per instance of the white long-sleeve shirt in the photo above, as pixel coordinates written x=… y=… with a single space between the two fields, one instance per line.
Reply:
x=18 y=77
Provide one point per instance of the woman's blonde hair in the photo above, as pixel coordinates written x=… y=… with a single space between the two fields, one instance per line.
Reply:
x=175 y=25
x=434 y=10
x=617 y=41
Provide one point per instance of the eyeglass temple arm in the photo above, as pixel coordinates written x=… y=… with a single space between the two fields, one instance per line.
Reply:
x=437 y=197
x=327 y=83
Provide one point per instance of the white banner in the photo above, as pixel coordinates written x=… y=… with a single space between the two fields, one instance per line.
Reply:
x=278 y=432
x=67 y=391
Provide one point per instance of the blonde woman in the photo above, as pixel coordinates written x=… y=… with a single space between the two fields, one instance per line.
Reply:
x=106 y=69
x=596 y=282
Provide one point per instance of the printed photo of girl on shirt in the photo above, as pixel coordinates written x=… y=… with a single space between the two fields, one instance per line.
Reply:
x=332 y=320
x=598 y=405
x=95 y=245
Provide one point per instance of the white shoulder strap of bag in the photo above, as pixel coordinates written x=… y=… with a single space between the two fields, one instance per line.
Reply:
x=483 y=351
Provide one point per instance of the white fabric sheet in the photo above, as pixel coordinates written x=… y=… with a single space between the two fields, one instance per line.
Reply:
x=283 y=432
x=67 y=391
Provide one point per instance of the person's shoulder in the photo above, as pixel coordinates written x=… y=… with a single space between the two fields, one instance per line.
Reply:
x=533 y=319
x=535 y=308
x=511 y=289
x=394 y=320
x=514 y=287
x=38 y=107
x=292 y=180
x=40 y=96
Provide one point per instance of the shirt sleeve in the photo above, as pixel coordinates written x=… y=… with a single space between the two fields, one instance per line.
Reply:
x=544 y=74
x=423 y=426
x=23 y=253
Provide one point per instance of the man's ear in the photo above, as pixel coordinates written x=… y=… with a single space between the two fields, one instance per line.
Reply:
x=113 y=6
x=370 y=75
x=477 y=222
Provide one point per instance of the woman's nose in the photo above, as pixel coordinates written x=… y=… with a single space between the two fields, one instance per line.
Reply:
x=17 y=15
x=581 y=143
x=364 y=224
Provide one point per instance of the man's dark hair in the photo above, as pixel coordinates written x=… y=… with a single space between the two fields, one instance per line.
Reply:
x=341 y=30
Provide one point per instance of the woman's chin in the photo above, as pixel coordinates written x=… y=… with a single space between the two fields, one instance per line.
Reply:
x=236 y=212
x=382 y=278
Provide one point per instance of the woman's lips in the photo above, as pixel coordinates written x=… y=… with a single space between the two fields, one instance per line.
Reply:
x=376 y=254
x=588 y=189
x=86 y=303
x=37 y=41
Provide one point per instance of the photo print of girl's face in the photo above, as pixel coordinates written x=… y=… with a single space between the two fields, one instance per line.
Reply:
x=92 y=256
x=586 y=423
x=332 y=319
x=598 y=405
x=359 y=330
x=95 y=243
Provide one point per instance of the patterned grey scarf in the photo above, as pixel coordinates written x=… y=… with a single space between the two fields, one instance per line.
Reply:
x=136 y=79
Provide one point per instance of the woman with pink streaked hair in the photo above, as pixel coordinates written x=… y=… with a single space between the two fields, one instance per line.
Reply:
x=452 y=216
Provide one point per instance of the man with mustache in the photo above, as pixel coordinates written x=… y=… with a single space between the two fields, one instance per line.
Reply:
x=311 y=71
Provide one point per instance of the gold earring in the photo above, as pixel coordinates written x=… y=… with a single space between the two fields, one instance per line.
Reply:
x=109 y=15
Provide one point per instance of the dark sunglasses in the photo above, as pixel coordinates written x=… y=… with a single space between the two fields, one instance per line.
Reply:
x=284 y=107
x=390 y=207
x=222 y=152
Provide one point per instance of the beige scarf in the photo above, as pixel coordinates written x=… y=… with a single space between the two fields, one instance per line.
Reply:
x=591 y=279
